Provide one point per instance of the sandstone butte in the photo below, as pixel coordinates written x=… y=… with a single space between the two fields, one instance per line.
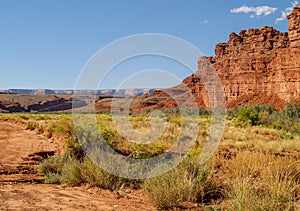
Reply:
x=254 y=66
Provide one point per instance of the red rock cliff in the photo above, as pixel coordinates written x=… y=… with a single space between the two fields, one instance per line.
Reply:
x=257 y=66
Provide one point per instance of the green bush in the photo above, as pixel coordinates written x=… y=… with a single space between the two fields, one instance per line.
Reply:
x=287 y=120
x=246 y=116
x=259 y=108
x=269 y=120
x=292 y=110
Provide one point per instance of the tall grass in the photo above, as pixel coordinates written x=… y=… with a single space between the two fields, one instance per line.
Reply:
x=257 y=181
x=248 y=181
x=189 y=181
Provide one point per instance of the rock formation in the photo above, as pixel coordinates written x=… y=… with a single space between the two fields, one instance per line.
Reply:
x=254 y=66
x=294 y=27
x=261 y=65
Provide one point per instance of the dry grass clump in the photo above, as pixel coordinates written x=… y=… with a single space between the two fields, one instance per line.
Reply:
x=258 y=181
x=246 y=181
x=61 y=169
x=189 y=181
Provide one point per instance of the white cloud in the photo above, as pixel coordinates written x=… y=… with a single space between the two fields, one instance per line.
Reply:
x=204 y=22
x=257 y=11
x=286 y=12
x=295 y=3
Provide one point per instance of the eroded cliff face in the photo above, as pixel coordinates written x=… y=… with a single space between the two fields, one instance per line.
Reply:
x=256 y=66
x=294 y=27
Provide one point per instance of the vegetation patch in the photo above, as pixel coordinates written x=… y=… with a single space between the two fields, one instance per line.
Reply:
x=255 y=168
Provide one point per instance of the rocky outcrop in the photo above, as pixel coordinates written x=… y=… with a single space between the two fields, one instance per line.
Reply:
x=261 y=64
x=255 y=66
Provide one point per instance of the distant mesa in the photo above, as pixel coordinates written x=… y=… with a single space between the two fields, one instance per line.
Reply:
x=46 y=100
x=125 y=92
x=10 y=103
x=31 y=91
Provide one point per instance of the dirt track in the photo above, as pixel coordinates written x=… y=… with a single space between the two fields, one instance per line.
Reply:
x=20 y=152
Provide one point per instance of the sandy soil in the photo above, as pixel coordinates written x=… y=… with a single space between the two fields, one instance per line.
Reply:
x=20 y=151
x=17 y=144
x=53 y=197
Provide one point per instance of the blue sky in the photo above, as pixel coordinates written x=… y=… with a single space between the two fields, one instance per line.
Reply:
x=45 y=44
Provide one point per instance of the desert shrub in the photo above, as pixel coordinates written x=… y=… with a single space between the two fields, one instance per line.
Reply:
x=259 y=108
x=76 y=172
x=287 y=120
x=52 y=178
x=108 y=134
x=246 y=116
x=292 y=110
x=51 y=165
x=64 y=127
x=157 y=148
x=144 y=151
x=52 y=168
x=31 y=126
x=71 y=172
x=41 y=117
x=74 y=149
x=94 y=175
x=189 y=181
x=269 y=120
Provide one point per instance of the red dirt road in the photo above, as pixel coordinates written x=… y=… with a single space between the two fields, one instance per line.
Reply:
x=20 y=153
